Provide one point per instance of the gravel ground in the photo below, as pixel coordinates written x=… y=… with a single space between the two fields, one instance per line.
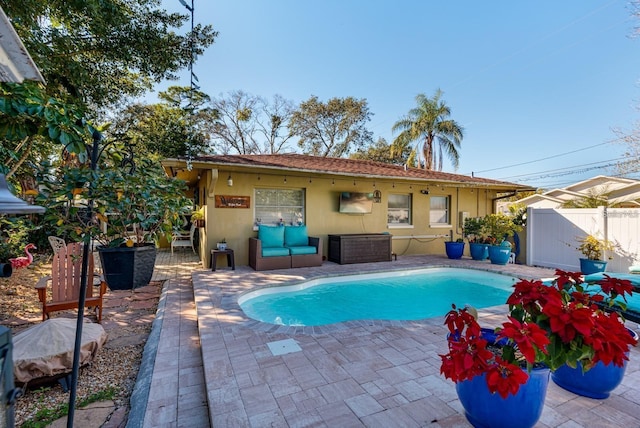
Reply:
x=127 y=318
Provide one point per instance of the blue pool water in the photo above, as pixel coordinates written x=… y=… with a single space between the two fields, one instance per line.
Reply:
x=407 y=295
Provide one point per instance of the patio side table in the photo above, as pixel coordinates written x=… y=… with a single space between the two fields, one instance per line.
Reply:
x=231 y=262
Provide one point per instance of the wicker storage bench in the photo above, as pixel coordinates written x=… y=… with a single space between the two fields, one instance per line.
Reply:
x=360 y=248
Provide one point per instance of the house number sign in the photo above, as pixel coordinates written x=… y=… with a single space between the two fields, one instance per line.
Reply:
x=226 y=201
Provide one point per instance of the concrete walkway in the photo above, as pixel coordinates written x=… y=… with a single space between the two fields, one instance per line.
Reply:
x=354 y=374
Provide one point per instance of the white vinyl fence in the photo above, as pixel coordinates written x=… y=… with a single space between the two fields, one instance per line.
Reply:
x=553 y=235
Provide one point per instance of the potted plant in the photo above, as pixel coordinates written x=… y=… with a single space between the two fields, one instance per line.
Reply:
x=501 y=375
x=197 y=217
x=454 y=249
x=498 y=227
x=593 y=249
x=131 y=212
x=222 y=245
x=474 y=232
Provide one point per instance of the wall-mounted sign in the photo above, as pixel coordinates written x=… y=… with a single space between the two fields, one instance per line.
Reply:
x=227 y=201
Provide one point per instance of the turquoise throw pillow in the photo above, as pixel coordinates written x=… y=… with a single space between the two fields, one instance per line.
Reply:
x=295 y=236
x=271 y=236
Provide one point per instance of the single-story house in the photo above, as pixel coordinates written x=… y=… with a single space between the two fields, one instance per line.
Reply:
x=623 y=192
x=420 y=209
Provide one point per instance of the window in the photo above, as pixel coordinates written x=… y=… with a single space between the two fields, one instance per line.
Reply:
x=275 y=205
x=439 y=211
x=399 y=210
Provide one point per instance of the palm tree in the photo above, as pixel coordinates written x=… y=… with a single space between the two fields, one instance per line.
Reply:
x=427 y=124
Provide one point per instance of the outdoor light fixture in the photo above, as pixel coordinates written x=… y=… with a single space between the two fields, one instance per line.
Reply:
x=377 y=196
x=229 y=181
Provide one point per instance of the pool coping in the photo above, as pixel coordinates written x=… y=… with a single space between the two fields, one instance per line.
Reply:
x=230 y=300
x=356 y=277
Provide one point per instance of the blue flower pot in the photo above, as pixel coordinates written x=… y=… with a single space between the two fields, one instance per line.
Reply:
x=499 y=255
x=522 y=410
x=595 y=383
x=479 y=251
x=454 y=249
x=588 y=267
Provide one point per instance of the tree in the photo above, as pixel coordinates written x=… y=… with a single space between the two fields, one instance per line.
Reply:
x=332 y=129
x=33 y=127
x=426 y=125
x=249 y=124
x=273 y=123
x=92 y=54
x=381 y=151
x=177 y=126
x=596 y=197
x=237 y=125
x=631 y=139
x=97 y=52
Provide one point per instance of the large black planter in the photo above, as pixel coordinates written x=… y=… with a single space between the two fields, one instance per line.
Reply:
x=127 y=268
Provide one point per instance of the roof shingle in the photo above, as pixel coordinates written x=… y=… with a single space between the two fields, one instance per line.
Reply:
x=351 y=167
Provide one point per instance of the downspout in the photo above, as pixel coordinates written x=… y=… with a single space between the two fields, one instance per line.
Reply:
x=458 y=226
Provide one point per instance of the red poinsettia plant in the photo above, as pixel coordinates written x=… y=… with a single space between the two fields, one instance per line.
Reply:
x=565 y=322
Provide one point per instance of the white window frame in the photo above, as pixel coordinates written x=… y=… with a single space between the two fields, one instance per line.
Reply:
x=290 y=214
x=409 y=208
x=446 y=211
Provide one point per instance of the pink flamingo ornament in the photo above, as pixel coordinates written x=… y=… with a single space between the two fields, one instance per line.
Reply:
x=20 y=262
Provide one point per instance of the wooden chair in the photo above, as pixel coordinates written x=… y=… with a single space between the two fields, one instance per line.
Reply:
x=66 y=270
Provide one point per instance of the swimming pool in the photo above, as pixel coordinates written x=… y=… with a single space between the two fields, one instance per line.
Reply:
x=403 y=295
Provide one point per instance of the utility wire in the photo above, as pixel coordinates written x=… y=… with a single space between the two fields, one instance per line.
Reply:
x=534 y=175
x=540 y=160
x=581 y=169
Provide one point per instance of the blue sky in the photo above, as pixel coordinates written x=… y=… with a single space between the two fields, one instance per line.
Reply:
x=528 y=80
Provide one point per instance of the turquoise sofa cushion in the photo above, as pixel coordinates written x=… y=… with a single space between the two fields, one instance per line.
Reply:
x=296 y=251
x=271 y=236
x=295 y=236
x=275 y=251
x=633 y=278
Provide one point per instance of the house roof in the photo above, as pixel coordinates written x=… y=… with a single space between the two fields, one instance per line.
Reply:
x=296 y=164
x=533 y=199
x=602 y=182
x=618 y=190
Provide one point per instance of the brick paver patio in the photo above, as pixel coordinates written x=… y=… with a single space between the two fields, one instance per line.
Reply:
x=213 y=365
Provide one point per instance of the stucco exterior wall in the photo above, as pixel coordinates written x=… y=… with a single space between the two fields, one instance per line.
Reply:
x=322 y=215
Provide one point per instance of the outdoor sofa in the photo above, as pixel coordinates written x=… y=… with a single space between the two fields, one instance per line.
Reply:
x=284 y=247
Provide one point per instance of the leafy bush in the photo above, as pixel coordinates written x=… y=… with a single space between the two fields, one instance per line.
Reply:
x=592 y=247
x=499 y=226
x=128 y=208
